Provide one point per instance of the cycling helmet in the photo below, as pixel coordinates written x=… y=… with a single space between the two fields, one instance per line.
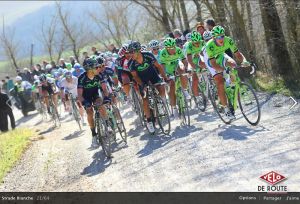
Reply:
x=188 y=36
x=153 y=44
x=169 y=42
x=68 y=74
x=123 y=50
x=195 y=36
x=207 y=35
x=217 y=30
x=179 y=42
x=77 y=66
x=134 y=46
x=43 y=77
x=36 y=77
x=56 y=75
x=143 y=47
x=69 y=66
x=100 y=60
x=60 y=71
x=18 y=78
x=48 y=66
x=49 y=75
x=91 y=63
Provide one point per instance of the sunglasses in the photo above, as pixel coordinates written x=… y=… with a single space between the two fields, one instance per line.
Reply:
x=220 y=37
x=155 y=49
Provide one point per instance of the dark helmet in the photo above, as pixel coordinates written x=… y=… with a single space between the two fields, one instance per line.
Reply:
x=134 y=46
x=90 y=63
x=43 y=77
x=100 y=60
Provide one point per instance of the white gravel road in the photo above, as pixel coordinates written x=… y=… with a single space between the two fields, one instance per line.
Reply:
x=208 y=156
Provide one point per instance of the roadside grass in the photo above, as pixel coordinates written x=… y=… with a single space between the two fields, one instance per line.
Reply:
x=12 y=145
x=273 y=85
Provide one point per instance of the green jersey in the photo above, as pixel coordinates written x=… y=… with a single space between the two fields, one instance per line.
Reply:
x=171 y=61
x=215 y=51
x=194 y=51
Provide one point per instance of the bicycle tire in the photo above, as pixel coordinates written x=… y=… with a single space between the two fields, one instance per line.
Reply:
x=103 y=136
x=76 y=114
x=159 y=118
x=122 y=129
x=139 y=107
x=256 y=101
x=184 y=109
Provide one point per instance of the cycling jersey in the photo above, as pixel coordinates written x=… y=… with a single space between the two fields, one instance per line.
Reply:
x=217 y=52
x=171 y=61
x=122 y=63
x=90 y=88
x=146 y=71
x=194 y=51
x=48 y=86
x=70 y=87
x=157 y=56
x=107 y=75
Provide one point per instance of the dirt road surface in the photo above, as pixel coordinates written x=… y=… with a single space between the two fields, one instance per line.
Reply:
x=208 y=156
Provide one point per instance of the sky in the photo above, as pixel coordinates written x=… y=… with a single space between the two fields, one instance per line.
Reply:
x=12 y=10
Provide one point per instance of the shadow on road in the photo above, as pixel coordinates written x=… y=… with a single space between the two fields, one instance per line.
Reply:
x=27 y=118
x=239 y=132
x=158 y=141
x=98 y=165
x=48 y=130
x=74 y=135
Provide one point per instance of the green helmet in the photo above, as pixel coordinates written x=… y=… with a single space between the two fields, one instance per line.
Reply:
x=68 y=66
x=196 y=37
x=169 y=42
x=218 y=30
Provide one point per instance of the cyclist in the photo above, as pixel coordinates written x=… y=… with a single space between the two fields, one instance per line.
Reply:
x=107 y=76
x=218 y=61
x=68 y=84
x=193 y=49
x=123 y=71
x=78 y=70
x=170 y=57
x=48 y=88
x=89 y=94
x=144 y=68
x=154 y=46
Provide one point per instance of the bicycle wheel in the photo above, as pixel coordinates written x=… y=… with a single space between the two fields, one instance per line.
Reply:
x=162 y=116
x=120 y=123
x=138 y=107
x=76 y=114
x=103 y=135
x=249 y=104
x=200 y=101
x=183 y=108
x=213 y=96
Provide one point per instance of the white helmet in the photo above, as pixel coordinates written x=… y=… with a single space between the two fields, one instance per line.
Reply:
x=207 y=35
x=48 y=66
x=18 y=78
x=36 y=77
x=188 y=36
x=153 y=44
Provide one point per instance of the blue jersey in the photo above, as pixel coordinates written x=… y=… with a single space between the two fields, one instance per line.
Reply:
x=77 y=74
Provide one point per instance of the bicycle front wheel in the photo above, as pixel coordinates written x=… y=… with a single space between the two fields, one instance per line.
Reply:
x=162 y=115
x=184 y=111
x=76 y=115
x=249 y=104
x=120 y=123
x=138 y=107
x=103 y=136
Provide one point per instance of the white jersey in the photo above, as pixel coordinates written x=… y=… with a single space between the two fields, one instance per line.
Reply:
x=70 y=87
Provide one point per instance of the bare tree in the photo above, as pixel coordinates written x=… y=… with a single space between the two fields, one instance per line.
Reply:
x=74 y=31
x=10 y=45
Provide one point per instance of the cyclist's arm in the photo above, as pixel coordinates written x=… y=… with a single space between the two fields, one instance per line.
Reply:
x=160 y=69
x=80 y=92
x=104 y=88
x=241 y=58
x=137 y=78
x=185 y=63
x=190 y=60
x=214 y=64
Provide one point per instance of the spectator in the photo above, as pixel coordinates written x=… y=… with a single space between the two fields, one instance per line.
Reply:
x=54 y=67
x=62 y=63
x=85 y=57
x=209 y=24
x=113 y=49
x=95 y=51
x=5 y=111
x=10 y=84
x=171 y=35
x=45 y=64
x=4 y=86
x=72 y=60
x=200 y=28
x=27 y=76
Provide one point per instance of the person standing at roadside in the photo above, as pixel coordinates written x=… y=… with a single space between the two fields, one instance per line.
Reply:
x=5 y=111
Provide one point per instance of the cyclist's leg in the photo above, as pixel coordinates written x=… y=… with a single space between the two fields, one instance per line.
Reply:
x=183 y=79
x=80 y=108
x=68 y=103
x=229 y=62
x=219 y=79
x=125 y=83
x=195 y=84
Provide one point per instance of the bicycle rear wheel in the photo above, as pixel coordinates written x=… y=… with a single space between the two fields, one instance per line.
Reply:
x=249 y=104
x=138 y=107
x=162 y=115
x=120 y=123
x=200 y=101
x=76 y=115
